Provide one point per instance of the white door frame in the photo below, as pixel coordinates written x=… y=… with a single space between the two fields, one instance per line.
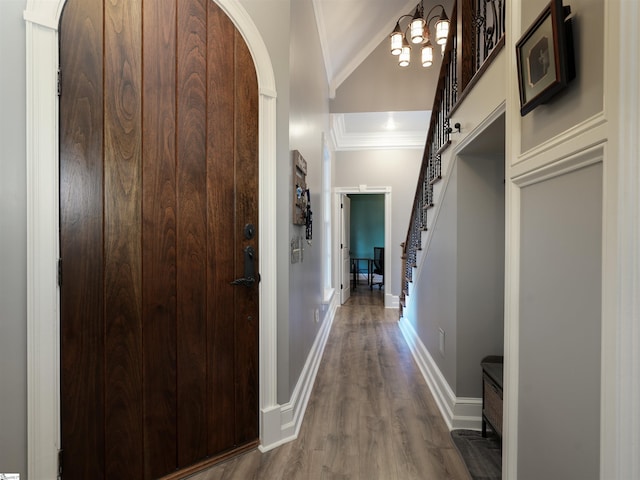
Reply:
x=43 y=312
x=389 y=301
x=345 y=232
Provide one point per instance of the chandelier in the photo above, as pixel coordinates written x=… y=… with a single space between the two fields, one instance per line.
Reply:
x=417 y=32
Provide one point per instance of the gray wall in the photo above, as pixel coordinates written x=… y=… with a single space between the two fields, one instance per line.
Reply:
x=272 y=19
x=302 y=117
x=584 y=97
x=308 y=118
x=560 y=310
x=461 y=285
x=560 y=278
x=397 y=169
x=480 y=327
x=13 y=259
x=360 y=92
x=367 y=224
x=436 y=288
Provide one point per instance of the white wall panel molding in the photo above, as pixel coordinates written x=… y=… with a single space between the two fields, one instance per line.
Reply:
x=579 y=159
x=592 y=131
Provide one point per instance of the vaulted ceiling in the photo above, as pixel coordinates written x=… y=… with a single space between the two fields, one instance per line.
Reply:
x=351 y=29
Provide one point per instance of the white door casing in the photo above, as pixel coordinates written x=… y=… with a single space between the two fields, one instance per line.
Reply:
x=345 y=248
x=390 y=301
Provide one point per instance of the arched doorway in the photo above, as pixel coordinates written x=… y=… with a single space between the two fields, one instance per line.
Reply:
x=42 y=248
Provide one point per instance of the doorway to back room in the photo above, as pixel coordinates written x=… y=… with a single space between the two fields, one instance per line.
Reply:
x=367 y=239
x=363 y=253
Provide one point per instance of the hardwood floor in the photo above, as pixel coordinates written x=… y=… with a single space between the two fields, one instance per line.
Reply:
x=370 y=415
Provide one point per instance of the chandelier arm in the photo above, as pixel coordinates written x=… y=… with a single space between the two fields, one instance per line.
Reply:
x=404 y=16
x=432 y=19
x=433 y=8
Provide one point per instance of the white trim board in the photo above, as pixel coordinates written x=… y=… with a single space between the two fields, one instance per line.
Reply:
x=43 y=313
x=457 y=412
x=620 y=420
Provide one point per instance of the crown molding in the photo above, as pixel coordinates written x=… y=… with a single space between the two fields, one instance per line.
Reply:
x=374 y=140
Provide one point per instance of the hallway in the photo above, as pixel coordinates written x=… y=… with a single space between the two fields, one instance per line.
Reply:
x=370 y=415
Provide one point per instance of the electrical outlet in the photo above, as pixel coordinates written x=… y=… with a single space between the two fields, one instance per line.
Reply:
x=316 y=315
x=441 y=331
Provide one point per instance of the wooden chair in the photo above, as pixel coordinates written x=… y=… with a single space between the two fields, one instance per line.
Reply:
x=378 y=266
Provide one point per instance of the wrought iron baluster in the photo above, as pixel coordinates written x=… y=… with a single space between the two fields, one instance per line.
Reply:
x=499 y=20
x=442 y=124
x=491 y=31
x=478 y=22
x=454 y=66
x=489 y=28
x=484 y=30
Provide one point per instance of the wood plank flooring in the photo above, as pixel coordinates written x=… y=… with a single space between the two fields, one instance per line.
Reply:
x=370 y=416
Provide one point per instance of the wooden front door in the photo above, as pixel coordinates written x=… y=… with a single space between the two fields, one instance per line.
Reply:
x=158 y=215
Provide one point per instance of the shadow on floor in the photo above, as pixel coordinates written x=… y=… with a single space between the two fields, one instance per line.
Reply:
x=482 y=456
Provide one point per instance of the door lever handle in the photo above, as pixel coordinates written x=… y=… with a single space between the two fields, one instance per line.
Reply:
x=249 y=271
x=247 y=282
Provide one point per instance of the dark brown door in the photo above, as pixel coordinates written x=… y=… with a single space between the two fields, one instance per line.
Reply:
x=158 y=182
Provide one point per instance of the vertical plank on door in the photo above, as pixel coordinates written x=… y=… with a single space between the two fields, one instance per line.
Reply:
x=159 y=237
x=246 y=159
x=81 y=298
x=221 y=233
x=122 y=220
x=191 y=233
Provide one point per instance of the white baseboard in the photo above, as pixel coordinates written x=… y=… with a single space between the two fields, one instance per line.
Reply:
x=458 y=412
x=281 y=424
x=391 y=301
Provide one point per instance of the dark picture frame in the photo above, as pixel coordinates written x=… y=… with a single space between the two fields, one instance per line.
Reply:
x=544 y=56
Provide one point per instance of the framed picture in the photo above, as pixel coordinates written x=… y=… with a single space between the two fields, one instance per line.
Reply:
x=545 y=57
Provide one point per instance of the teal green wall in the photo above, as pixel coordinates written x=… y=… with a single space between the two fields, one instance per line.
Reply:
x=367 y=224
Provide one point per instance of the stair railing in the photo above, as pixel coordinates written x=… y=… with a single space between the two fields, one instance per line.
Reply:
x=473 y=43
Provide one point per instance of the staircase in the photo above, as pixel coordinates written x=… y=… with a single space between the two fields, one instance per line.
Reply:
x=476 y=36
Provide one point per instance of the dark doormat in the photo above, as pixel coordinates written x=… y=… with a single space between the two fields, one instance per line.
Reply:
x=482 y=456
